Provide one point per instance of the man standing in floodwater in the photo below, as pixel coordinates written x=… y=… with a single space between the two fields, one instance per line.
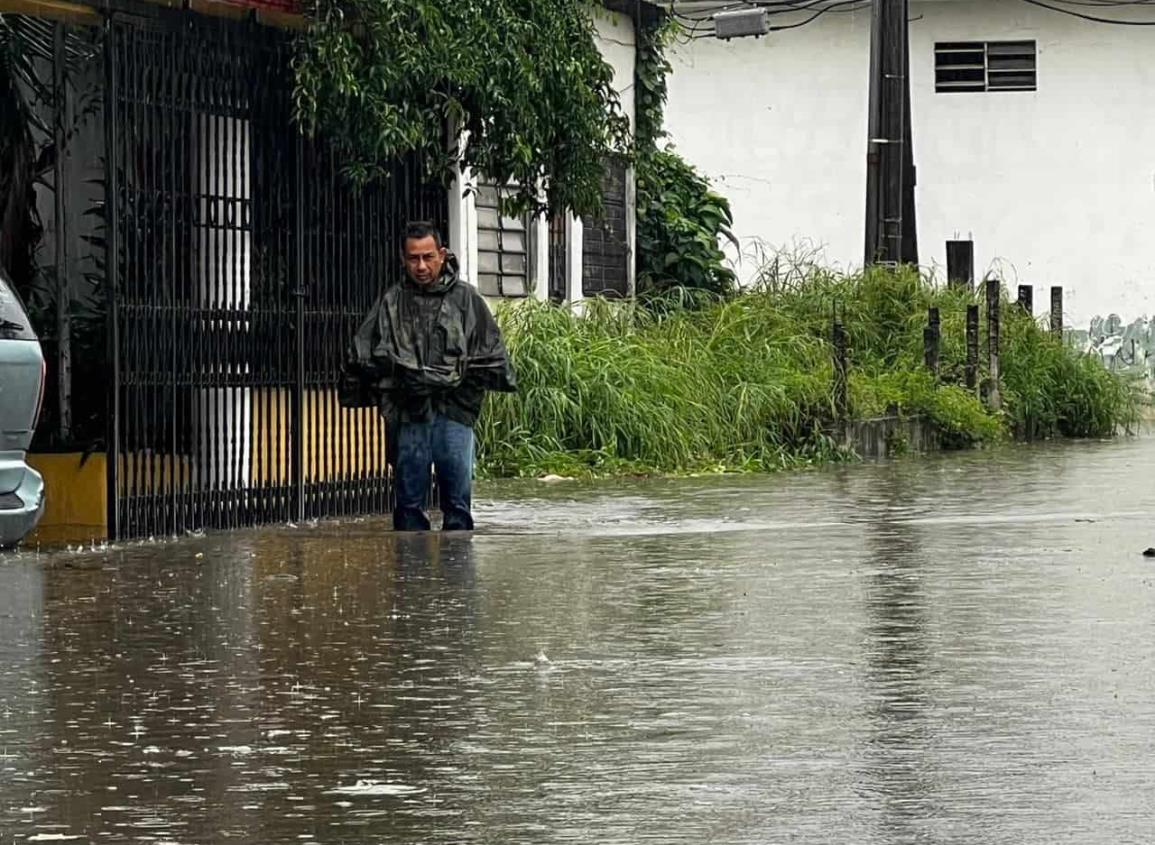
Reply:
x=428 y=352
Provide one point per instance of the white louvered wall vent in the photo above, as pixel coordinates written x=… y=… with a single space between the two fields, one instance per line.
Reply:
x=961 y=66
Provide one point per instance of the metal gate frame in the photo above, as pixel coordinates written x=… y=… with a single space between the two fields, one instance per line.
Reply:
x=238 y=264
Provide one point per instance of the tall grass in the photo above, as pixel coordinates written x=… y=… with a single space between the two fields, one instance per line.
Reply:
x=746 y=383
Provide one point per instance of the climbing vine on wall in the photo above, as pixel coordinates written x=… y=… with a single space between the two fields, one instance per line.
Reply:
x=523 y=79
x=680 y=218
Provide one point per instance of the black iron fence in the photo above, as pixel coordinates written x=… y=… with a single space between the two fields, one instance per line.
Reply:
x=239 y=261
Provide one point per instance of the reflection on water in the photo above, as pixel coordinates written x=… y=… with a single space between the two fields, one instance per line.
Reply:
x=952 y=650
x=895 y=767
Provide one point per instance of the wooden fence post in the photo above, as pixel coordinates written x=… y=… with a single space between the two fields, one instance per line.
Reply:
x=931 y=337
x=960 y=264
x=972 y=366
x=841 y=370
x=994 y=398
x=1027 y=299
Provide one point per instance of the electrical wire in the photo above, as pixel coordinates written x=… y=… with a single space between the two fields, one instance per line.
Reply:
x=704 y=16
x=835 y=7
x=1094 y=18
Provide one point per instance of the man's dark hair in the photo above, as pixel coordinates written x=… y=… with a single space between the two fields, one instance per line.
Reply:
x=419 y=230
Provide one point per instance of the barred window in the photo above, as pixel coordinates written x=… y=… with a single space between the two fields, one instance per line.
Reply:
x=977 y=66
x=502 y=247
x=606 y=249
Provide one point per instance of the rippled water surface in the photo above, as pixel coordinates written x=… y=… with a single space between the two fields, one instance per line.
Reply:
x=952 y=650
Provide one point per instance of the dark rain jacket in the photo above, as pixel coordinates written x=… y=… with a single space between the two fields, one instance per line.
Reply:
x=424 y=350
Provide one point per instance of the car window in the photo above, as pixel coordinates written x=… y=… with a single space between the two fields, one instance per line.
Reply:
x=14 y=323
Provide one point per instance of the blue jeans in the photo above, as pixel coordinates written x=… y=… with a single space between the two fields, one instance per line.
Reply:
x=448 y=446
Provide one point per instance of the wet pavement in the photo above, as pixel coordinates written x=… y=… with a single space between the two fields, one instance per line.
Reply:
x=958 y=649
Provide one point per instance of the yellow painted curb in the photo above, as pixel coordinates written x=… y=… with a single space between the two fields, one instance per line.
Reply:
x=75 y=498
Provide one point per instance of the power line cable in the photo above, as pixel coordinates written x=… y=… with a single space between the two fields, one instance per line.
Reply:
x=1087 y=17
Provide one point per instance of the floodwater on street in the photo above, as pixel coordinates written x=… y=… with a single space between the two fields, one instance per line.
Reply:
x=952 y=649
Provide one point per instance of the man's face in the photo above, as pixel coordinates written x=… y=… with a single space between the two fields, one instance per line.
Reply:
x=423 y=259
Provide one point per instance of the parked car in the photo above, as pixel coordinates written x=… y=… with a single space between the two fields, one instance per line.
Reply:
x=21 y=396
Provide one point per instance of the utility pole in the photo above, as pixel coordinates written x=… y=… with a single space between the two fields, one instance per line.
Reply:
x=891 y=233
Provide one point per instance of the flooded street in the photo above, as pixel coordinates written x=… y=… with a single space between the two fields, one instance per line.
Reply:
x=957 y=649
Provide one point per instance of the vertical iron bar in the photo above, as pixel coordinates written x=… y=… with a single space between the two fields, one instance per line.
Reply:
x=298 y=442
x=237 y=253
x=1057 y=312
x=179 y=213
x=130 y=236
x=139 y=206
x=282 y=150
x=320 y=322
x=257 y=422
x=287 y=194
x=112 y=271
x=63 y=277
x=352 y=418
x=342 y=305
x=350 y=302
x=153 y=279
x=365 y=277
x=257 y=268
x=218 y=430
x=372 y=434
x=227 y=239
x=376 y=432
x=198 y=289
x=333 y=340
x=370 y=279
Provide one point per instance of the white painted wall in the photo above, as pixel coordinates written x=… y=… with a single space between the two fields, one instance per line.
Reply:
x=1055 y=186
x=619 y=47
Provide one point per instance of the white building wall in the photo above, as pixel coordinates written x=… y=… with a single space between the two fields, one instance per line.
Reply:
x=618 y=44
x=1055 y=186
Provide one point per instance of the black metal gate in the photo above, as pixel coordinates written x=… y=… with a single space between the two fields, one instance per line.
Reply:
x=239 y=262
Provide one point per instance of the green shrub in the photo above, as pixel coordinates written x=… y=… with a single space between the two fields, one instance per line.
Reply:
x=745 y=383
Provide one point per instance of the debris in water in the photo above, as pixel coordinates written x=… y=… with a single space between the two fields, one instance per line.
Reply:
x=373 y=787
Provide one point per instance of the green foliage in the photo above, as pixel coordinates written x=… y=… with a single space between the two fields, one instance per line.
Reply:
x=679 y=222
x=746 y=383
x=650 y=72
x=524 y=79
x=20 y=230
x=623 y=389
x=28 y=156
x=680 y=219
x=1049 y=391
